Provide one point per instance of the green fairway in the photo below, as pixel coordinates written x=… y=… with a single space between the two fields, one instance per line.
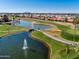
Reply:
x=58 y=50
x=66 y=31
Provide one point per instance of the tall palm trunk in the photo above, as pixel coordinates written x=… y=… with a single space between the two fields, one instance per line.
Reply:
x=74 y=32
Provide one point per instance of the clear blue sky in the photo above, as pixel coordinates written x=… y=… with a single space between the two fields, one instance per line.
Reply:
x=54 y=6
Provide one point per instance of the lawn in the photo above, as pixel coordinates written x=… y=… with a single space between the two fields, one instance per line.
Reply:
x=9 y=29
x=66 y=31
x=58 y=50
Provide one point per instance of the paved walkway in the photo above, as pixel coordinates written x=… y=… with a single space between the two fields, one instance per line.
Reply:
x=62 y=40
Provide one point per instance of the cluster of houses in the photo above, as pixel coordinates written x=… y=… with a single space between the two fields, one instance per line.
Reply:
x=68 y=17
x=61 y=18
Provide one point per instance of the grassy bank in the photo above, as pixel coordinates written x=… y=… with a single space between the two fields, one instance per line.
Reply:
x=58 y=50
x=8 y=29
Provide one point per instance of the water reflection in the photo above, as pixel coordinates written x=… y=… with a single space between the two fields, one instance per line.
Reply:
x=31 y=25
x=12 y=46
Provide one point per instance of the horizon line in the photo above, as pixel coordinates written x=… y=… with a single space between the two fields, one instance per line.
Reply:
x=45 y=12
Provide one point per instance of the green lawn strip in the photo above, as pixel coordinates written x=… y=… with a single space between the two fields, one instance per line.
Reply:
x=8 y=29
x=58 y=49
x=72 y=31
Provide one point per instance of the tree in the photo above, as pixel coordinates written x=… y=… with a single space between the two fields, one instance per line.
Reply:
x=66 y=19
x=5 y=18
x=75 y=22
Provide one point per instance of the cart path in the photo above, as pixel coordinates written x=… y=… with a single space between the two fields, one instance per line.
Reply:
x=62 y=40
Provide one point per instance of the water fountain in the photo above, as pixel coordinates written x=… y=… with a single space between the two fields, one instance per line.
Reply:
x=32 y=26
x=25 y=45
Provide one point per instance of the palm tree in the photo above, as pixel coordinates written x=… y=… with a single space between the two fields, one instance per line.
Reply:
x=66 y=19
x=75 y=22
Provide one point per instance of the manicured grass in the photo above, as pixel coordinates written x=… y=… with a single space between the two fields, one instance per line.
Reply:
x=58 y=50
x=66 y=31
x=9 y=29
